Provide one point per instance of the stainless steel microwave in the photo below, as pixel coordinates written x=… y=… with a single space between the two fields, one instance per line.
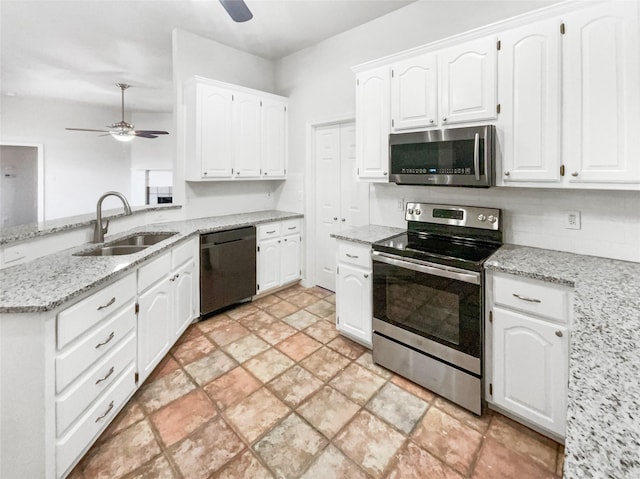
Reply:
x=451 y=157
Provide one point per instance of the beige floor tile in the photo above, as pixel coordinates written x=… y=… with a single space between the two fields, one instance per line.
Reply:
x=498 y=461
x=276 y=332
x=130 y=414
x=295 y=385
x=232 y=387
x=192 y=332
x=158 y=468
x=331 y=298
x=413 y=388
x=414 y=462
x=258 y=320
x=448 y=439
x=560 y=461
x=369 y=442
x=302 y=299
x=241 y=311
x=319 y=292
x=398 y=407
x=266 y=301
x=115 y=457
x=183 y=416
x=193 y=349
x=298 y=346
x=256 y=414
x=266 y=366
x=328 y=411
x=301 y=319
x=346 y=347
x=479 y=423
x=213 y=322
x=321 y=308
x=210 y=367
x=165 y=390
x=246 y=348
x=291 y=291
x=366 y=361
x=325 y=363
x=246 y=465
x=166 y=366
x=290 y=447
x=281 y=309
x=357 y=383
x=207 y=450
x=322 y=331
x=332 y=464
x=226 y=331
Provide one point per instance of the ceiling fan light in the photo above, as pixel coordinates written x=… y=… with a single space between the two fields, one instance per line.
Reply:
x=122 y=136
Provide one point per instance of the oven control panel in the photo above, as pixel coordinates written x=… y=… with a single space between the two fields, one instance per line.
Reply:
x=470 y=216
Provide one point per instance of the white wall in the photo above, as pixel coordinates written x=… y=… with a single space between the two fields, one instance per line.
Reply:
x=78 y=166
x=194 y=55
x=153 y=153
x=320 y=87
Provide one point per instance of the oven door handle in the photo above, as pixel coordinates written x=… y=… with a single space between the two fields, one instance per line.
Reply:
x=428 y=268
x=476 y=155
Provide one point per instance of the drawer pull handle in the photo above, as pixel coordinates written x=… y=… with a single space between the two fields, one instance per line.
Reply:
x=529 y=300
x=100 y=418
x=271 y=232
x=292 y=227
x=113 y=300
x=559 y=334
x=352 y=256
x=106 y=377
x=366 y=276
x=106 y=341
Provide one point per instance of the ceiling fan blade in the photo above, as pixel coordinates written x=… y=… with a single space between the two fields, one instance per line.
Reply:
x=145 y=135
x=237 y=10
x=152 y=132
x=86 y=129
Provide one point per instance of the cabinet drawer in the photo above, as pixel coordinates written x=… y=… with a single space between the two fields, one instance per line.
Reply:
x=152 y=272
x=77 y=319
x=183 y=254
x=269 y=230
x=532 y=296
x=290 y=227
x=70 y=363
x=356 y=254
x=71 y=404
x=82 y=434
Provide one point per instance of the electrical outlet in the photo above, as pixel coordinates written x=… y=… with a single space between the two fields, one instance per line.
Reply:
x=400 y=204
x=572 y=220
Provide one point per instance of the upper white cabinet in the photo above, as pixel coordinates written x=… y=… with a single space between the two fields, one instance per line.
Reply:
x=373 y=124
x=602 y=94
x=529 y=93
x=414 y=93
x=468 y=77
x=231 y=132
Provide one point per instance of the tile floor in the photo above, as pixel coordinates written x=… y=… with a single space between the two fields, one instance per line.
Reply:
x=269 y=389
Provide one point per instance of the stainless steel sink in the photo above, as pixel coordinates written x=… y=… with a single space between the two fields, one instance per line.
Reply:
x=129 y=245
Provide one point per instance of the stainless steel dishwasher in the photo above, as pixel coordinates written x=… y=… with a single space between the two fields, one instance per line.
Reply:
x=227 y=268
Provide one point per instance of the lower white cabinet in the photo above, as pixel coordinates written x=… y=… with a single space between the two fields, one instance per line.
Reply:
x=354 y=286
x=528 y=350
x=279 y=254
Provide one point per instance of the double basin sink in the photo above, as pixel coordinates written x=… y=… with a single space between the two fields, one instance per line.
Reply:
x=128 y=245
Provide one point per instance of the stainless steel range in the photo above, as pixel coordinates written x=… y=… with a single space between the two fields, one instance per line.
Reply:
x=428 y=298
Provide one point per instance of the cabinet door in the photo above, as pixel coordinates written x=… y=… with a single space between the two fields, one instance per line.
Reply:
x=290 y=258
x=184 y=282
x=213 y=131
x=354 y=303
x=155 y=326
x=274 y=138
x=269 y=264
x=529 y=82
x=602 y=104
x=468 y=81
x=414 y=93
x=373 y=124
x=246 y=135
x=530 y=368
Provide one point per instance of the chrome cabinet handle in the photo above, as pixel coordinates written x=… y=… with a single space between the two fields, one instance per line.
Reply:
x=335 y=218
x=99 y=345
x=100 y=418
x=292 y=227
x=271 y=232
x=366 y=275
x=430 y=120
x=204 y=173
x=111 y=301
x=575 y=173
x=444 y=119
x=343 y=220
x=385 y=173
x=476 y=155
x=106 y=377
x=352 y=256
x=507 y=173
x=559 y=334
x=529 y=300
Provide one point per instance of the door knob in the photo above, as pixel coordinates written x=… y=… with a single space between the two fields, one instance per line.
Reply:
x=559 y=334
x=343 y=220
x=575 y=173
x=507 y=173
x=335 y=218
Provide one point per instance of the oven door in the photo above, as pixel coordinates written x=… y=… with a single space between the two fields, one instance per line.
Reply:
x=433 y=308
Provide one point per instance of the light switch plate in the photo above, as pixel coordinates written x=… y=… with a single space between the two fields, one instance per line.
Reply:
x=572 y=220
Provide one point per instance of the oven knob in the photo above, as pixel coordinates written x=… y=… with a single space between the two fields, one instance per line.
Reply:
x=417 y=212
x=410 y=211
x=492 y=219
x=481 y=217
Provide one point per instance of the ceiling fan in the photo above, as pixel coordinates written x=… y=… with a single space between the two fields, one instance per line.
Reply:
x=123 y=131
x=237 y=10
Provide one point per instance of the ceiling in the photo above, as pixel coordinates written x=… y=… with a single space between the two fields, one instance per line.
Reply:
x=77 y=49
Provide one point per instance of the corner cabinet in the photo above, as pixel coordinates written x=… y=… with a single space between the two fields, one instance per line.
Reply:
x=527 y=353
x=354 y=289
x=279 y=255
x=233 y=133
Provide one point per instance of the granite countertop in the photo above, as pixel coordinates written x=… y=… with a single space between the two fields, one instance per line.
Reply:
x=603 y=413
x=47 y=282
x=43 y=228
x=368 y=234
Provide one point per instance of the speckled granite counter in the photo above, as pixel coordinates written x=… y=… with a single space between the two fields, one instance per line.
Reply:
x=368 y=234
x=47 y=282
x=603 y=417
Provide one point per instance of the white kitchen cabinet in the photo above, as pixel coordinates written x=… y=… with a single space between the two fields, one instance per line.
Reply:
x=233 y=133
x=354 y=289
x=279 y=252
x=601 y=94
x=527 y=352
x=185 y=276
x=373 y=124
x=468 y=87
x=414 y=93
x=529 y=93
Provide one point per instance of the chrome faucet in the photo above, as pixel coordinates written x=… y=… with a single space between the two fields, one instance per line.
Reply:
x=100 y=230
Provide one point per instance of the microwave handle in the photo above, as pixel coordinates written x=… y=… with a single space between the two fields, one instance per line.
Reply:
x=476 y=155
